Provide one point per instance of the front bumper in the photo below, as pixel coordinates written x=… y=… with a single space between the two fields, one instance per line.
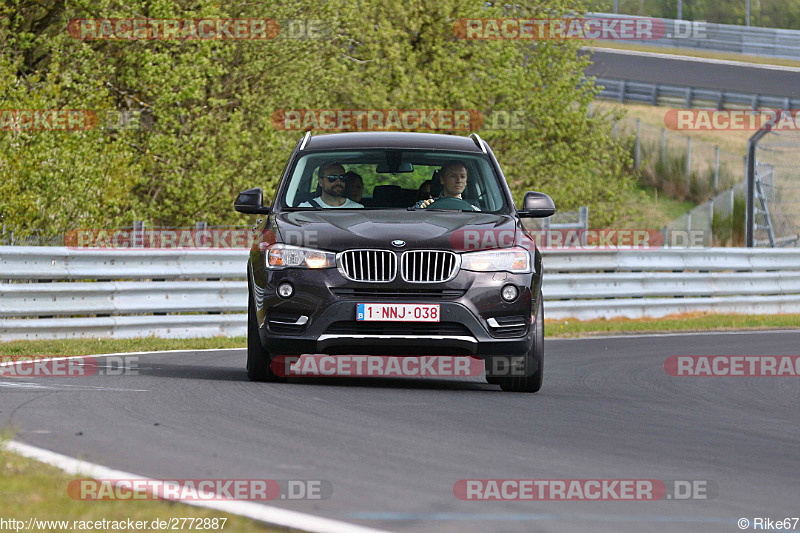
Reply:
x=320 y=315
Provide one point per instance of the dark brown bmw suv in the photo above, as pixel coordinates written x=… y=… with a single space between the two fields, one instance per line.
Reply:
x=357 y=256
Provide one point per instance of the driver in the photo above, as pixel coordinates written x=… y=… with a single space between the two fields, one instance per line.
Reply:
x=332 y=179
x=453 y=177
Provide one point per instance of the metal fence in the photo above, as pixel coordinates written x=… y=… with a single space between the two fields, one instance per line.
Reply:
x=772 y=42
x=776 y=187
x=51 y=292
x=718 y=221
x=694 y=168
x=688 y=97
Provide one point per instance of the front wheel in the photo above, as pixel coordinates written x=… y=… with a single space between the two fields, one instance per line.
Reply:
x=525 y=373
x=258 y=358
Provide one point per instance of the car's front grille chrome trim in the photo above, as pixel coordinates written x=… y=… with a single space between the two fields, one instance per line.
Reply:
x=416 y=266
x=376 y=266
x=429 y=266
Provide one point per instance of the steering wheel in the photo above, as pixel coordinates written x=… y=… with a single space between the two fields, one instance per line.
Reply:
x=451 y=203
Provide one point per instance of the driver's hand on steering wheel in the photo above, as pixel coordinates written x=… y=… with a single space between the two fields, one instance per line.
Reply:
x=426 y=203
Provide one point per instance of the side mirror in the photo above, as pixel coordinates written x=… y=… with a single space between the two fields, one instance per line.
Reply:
x=536 y=205
x=251 y=202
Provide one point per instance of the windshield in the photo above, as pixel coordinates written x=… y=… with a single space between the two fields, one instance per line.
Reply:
x=394 y=179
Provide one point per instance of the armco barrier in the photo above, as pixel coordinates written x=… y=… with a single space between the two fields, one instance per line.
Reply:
x=752 y=40
x=660 y=94
x=48 y=292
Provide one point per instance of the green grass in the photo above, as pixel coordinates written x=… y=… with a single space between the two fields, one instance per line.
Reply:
x=687 y=322
x=650 y=209
x=31 y=489
x=63 y=347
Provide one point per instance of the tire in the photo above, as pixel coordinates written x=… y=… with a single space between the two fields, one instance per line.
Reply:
x=530 y=366
x=492 y=380
x=258 y=359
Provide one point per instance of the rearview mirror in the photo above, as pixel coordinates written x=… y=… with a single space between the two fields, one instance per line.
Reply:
x=251 y=202
x=536 y=205
x=394 y=168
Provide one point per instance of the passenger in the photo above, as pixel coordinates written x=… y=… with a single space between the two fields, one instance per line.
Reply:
x=332 y=179
x=354 y=187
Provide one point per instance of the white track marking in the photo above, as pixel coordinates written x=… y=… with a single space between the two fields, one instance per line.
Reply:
x=271 y=515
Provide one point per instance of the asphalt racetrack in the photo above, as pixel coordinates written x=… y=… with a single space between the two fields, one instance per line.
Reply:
x=394 y=448
x=695 y=72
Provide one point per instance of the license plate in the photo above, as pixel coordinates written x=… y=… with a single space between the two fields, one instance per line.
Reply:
x=398 y=312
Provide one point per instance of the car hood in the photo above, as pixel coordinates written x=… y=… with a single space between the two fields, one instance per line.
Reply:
x=338 y=230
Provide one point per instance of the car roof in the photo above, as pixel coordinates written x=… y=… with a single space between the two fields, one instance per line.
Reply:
x=392 y=139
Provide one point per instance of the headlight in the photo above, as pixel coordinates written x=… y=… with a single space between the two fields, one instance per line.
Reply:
x=284 y=255
x=515 y=260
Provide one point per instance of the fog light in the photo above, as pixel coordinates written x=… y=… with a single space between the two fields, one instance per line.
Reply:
x=509 y=293
x=285 y=290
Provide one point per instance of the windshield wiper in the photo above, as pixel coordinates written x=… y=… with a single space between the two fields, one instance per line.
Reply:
x=437 y=209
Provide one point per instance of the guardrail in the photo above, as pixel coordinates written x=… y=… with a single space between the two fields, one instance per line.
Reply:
x=773 y=42
x=689 y=97
x=49 y=292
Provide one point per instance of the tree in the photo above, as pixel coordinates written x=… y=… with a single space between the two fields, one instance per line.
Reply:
x=198 y=112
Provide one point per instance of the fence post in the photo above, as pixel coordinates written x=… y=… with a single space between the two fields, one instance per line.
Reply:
x=688 y=162
x=710 y=236
x=138 y=234
x=637 y=152
x=716 y=169
x=733 y=219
